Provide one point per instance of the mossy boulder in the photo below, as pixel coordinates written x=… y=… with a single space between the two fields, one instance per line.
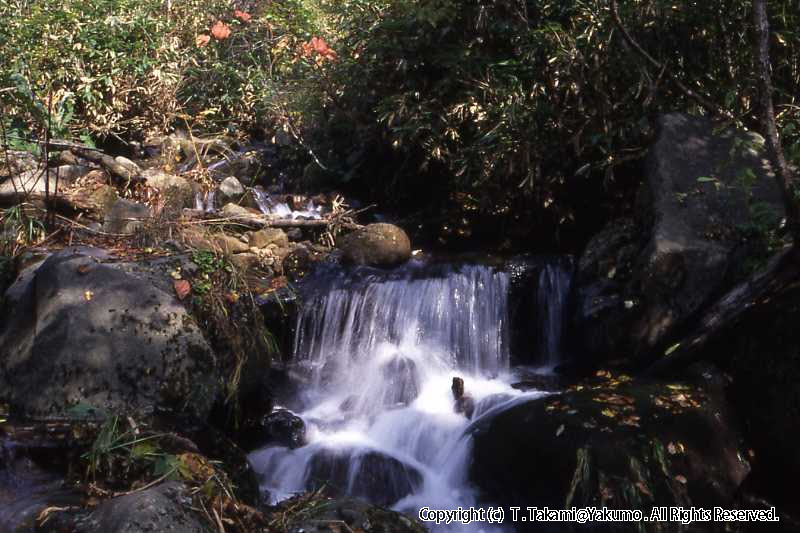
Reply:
x=80 y=331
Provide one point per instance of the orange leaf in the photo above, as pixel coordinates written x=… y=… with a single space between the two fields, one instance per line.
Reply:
x=202 y=40
x=83 y=269
x=220 y=30
x=241 y=15
x=182 y=288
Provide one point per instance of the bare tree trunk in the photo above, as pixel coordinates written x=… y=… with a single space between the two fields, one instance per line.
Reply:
x=783 y=175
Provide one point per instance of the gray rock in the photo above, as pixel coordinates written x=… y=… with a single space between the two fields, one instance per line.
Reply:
x=695 y=223
x=126 y=217
x=129 y=165
x=169 y=184
x=238 y=212
x=230 y=190
x=376 y=245
x=267 y=236
x=35 y=182
x=165 y=507
x=83 y=332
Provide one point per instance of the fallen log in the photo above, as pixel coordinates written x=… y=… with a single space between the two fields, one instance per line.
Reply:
x=781 y=274
x=121 y=174
x=258 y=222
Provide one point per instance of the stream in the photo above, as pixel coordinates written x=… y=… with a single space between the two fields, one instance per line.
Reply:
x=379 y=351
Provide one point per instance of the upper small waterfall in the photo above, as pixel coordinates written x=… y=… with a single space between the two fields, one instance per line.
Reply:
x=461 y=311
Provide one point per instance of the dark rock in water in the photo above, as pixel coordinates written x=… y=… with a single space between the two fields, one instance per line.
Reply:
x=356 y=515
x=166 y=507
x=464 y=404
x=639 y=284
x=369 y=474
x=381 y=245
x=79 y=333
x=26 y=490
x=613 y=443
x=401 y=379
x=284 y=428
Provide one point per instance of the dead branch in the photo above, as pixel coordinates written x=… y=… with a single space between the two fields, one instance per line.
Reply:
x=121 y=174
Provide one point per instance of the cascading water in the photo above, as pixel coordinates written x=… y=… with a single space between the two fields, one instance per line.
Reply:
x=380 y=351
x=551 y=302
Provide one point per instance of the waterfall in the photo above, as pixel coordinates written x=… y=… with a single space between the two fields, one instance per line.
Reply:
x=379 y=350
x=551 y=305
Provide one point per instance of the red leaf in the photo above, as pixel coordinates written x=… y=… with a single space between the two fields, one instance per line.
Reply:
x=241 y=15
x=220 y=30
x=182 y=288
x=202 y=40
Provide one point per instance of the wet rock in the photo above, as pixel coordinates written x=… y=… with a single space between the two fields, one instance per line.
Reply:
x=464 y=404
x=284 y=428
x=402 y=382
x=126 y=217
x=267 y=236
x=356 y=515
x=378 y=244
x=369 y=474
x=166 y=507
x=83 y=332
x=614 y=443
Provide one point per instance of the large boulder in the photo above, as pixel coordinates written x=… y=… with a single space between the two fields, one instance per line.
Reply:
x=165 y=507
x=614 y=443
x=378 y=244
x=79 y=331
x=708 y=194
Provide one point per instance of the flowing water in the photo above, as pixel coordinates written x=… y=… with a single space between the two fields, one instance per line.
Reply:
x=379 y=351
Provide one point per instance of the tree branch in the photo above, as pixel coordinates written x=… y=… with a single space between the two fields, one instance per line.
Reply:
x=783 y=175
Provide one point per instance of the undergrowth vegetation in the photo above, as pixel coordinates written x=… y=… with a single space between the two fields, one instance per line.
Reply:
x=508 y=105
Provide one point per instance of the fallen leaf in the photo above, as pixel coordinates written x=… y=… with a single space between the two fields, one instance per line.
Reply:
x=609 y=413
x=242 y=15
x=681 y=479
x=182 y=288
x=603 y=374
x=202 y=40
x=220 y=30
x=560 y=430
x=83 y=269
x=88 y=295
